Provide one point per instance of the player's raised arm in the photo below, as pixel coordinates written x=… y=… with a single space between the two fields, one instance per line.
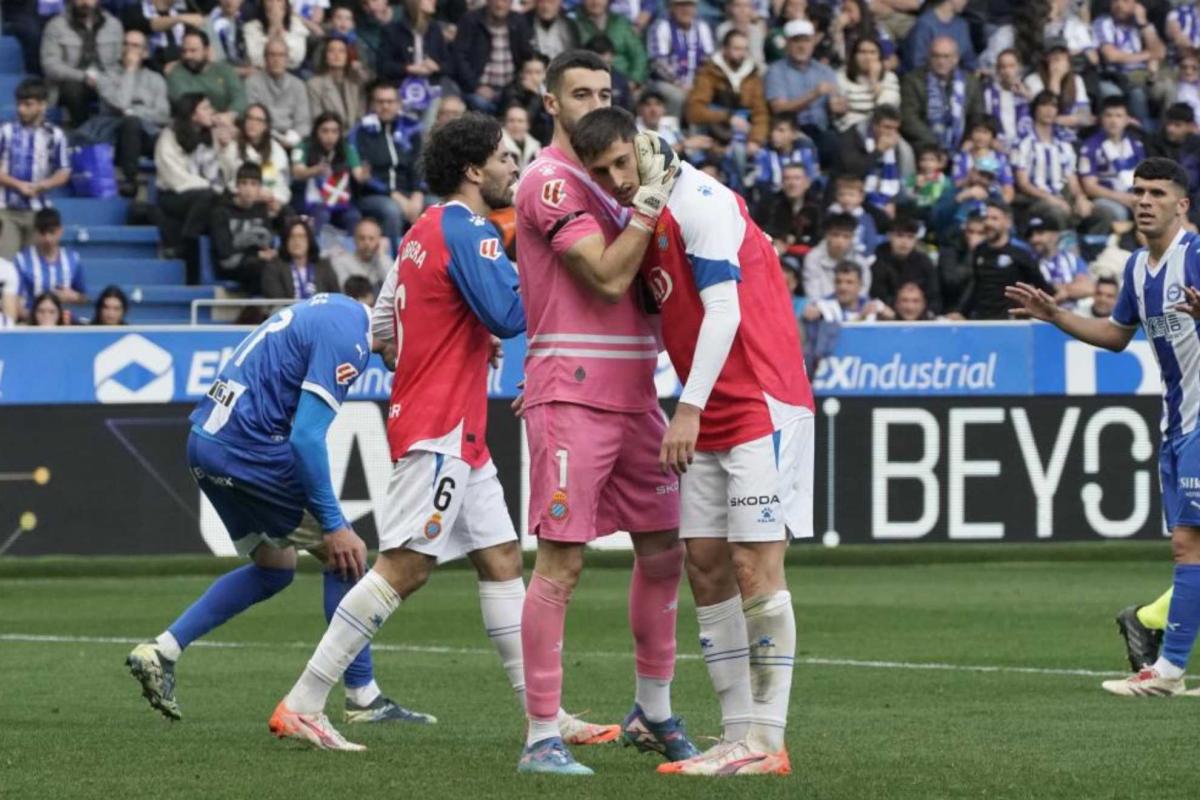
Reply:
x=1114 y=334
x=608 y=271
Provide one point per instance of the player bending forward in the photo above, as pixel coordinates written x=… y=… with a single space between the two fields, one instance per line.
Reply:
x=1160 y=294
x=593 y=421
x=741 y=438
x=452 y=288
x=257 y=450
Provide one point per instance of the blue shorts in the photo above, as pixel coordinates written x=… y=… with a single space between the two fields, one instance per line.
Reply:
x=256 y=493
x=1179 y=472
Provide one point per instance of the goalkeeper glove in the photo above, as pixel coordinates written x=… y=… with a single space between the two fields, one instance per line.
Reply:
x=658 y=169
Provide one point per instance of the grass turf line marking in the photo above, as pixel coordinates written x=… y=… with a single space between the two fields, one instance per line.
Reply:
x=31 y=638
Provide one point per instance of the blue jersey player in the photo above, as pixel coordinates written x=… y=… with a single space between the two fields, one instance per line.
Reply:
x=1161 y=295
x=257 y=450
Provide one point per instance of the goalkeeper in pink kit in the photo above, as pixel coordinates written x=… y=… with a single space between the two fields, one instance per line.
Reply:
x=593 y=421
x=741 y=437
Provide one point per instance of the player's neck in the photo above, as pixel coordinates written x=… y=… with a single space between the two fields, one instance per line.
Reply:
x=48 y=252
x=1157 y=246
x=562 y=140
x=472 y=199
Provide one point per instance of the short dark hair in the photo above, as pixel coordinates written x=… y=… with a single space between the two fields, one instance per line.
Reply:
x=600 y=44
x=377 y=84
x=1162 y=169
x=784 y=119
x=46 y=220
x=651 y=94
x=848 y=268
x=1180 y=112
x=358 y=287
x=467 y=141
x=597 y=131
x=841 y=222
x=905 y=223
x=191 y=31
x=987 y=123
x=572 y=59
x=32 y=89
x=999 y=204
x=1114 y=101
x=1108 y=281
x=248 y=171
x=930 y=149
x=885 y=113
x=729 y=34
x=844 y=178
x=1044 y=98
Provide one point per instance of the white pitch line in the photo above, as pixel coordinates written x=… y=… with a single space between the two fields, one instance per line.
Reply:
x=33 y=638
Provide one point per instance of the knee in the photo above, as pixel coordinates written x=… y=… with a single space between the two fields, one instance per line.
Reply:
x=561 y=564
x=1185 y=546
x=755 y=573
x=500 y=563
x=711 y=583
x=275 y=579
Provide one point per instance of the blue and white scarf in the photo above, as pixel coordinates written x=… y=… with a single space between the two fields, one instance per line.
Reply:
x=947 y=115
x=1011 y=113
x=1189 y=23
x=304 y=284
x=159 y=41
x=882 y=182
x=229 y=36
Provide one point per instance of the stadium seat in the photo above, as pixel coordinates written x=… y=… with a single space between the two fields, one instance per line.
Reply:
x=140 y=272
x=88 y=211
x=112 y=241
x=11 y=62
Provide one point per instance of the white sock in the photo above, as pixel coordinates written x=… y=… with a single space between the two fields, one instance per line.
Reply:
x=362 y=696
x=540 y=729
x=726 y=653
x=654 y=696
x=501 y=603
x=1166 y=669
x=167 y=645
x=771 y=629
x=358 y=617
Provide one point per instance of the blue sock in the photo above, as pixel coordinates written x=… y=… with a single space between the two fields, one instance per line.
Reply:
x=359 y=673
x=229 y=595
x=1183 y=619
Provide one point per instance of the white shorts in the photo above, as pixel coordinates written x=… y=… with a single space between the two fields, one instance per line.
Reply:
x=437 y=505
x=757 y=491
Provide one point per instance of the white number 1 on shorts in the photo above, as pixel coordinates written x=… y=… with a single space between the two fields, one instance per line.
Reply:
x=561 y=455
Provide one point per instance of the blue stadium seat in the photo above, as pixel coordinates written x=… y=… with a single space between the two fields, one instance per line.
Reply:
x=89 y=211
x=134 y=272
x=8 y=85
x=11 y=62
x=113 y=241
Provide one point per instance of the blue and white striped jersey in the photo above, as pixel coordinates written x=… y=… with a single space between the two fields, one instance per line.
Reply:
x=1146 y=299
x=30 y=154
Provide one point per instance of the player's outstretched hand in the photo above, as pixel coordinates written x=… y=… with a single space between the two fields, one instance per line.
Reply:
x=518 y=404
x=679 y=443
x=346 y=553
x=658 y=169
x=1191 y=304
x=1034 y=303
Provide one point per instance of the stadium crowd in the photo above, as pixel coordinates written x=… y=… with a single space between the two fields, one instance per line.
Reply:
x=908 y=160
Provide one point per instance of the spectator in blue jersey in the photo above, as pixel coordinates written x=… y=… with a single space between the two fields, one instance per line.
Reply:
x=1045 y=167
x=10 y=294
x=941 y=19
x=162 y=22
x=298 y=272
x=47 y=266
x=491 y=43
x=225 y=29
x=980 y=187
x=33 y=161
x=388 y=149
x=786 y=145
x=850 y=197
x=329 y=166
x=876 y=151
x=1183 y=27
x=111 y=307
x=1062 y=269
x=981 y=144
x=898 y=261
x=805 y=88
x=1006 y=100
x=1107 y=160
x=939 y=100
x=1132 y=54
x=677 y=45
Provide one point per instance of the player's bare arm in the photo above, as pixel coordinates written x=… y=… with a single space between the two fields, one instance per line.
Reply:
x=1037 y=304
x=608 y=271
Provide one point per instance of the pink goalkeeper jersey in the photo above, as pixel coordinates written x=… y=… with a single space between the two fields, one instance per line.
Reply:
x=582 y=349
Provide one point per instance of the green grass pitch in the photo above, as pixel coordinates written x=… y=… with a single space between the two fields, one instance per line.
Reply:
x=73 y=724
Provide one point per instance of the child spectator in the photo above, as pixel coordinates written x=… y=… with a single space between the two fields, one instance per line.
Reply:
x=787 y=145
x=47 y=267
x=927 y=186
x=821 y=262
x=330 y=167
x=981 y=145
x=1107 y=160
x=33 y=161
x=849 y=194
x=242 y=234
x=899 y=262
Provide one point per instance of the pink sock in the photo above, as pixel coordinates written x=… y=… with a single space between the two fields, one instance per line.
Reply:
x=653 y=607
x=542 y=620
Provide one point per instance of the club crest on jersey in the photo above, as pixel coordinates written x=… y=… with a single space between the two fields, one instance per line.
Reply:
x=433 y=528
x=554 y=192
x=661 y=235
x=661 y=284
x=346 y=373
x=490 y=249
x=558 y=508
x=1174 y=293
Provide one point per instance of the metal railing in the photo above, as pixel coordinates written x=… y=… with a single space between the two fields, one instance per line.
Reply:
x=234 y=303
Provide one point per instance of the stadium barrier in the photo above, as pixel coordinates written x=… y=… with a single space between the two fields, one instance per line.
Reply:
x=950 y=433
